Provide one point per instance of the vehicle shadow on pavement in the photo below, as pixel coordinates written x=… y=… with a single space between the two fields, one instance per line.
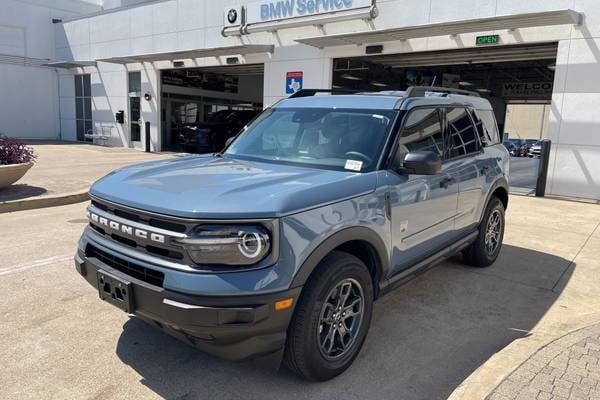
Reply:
x=425 y=339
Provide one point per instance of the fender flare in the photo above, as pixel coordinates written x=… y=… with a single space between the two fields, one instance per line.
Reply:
x=337 y=239
x=499 y=183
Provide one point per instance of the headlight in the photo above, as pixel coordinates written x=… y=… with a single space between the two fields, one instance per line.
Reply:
x=227 y=245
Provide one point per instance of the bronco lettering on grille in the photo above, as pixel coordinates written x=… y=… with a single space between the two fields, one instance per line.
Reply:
x=126 y=229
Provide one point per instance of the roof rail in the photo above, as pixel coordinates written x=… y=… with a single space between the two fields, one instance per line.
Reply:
x=419 y=91
x=313 y=92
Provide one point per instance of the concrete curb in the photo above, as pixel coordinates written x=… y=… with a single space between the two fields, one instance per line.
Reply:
x=44 y=201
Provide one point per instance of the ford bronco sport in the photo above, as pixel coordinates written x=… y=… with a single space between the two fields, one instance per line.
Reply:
x=280 y=244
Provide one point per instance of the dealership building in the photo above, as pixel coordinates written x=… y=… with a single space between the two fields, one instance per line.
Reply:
x=133 y=73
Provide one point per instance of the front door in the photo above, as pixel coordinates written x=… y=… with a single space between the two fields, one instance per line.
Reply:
x=423 y=206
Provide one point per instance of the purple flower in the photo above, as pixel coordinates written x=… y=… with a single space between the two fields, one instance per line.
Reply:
x=13 y=151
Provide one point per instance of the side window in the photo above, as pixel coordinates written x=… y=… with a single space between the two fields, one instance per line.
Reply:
x=462 y=136
x=491 y=135
x=422 y=131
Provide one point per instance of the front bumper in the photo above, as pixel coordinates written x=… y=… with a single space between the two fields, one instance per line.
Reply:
x=230 y=327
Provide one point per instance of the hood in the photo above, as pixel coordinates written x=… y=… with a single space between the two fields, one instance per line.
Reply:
x=223 y=188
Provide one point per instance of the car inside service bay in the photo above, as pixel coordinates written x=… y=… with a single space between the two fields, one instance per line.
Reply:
x=517 y=80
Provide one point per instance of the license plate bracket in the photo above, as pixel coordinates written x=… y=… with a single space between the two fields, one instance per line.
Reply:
x=116 y=291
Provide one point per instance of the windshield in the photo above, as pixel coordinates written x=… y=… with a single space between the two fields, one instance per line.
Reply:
x=343 y=139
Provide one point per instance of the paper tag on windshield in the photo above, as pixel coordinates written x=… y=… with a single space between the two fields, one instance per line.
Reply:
x=353 y=165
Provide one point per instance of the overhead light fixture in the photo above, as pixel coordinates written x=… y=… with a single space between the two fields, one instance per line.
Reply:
x=551 y=67
x=465 y=83
x=351 y=77
x=379 y=84
x=483 y=90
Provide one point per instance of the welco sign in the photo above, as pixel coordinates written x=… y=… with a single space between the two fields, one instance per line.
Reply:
x=527 y=89
x=265 y=11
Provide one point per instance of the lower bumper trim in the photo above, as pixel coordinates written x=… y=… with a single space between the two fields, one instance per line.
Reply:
x=232 y=327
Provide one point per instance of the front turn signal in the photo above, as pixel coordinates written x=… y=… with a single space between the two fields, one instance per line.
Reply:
x=283 y=304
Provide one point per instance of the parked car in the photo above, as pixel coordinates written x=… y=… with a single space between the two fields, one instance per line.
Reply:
x=521 y=145
x=529 y=143
x=280 y=244
x=536 y=149
x=513 y=150
x=210 y=136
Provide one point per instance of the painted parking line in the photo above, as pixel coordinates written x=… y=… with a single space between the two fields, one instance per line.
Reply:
x=35 y=264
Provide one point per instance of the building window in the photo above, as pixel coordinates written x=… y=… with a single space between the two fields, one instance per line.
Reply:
x=135 y=111
x=83 y=107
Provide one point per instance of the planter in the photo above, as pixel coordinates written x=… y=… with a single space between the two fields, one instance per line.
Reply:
x=9 y=174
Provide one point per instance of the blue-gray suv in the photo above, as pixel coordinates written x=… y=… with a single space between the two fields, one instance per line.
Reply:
x=280 y=244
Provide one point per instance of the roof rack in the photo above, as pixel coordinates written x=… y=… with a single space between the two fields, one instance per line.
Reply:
x=313 y=92
x=419 y=91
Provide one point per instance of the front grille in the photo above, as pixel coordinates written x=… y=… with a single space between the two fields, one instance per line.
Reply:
x=136 y=271
x=144 y=219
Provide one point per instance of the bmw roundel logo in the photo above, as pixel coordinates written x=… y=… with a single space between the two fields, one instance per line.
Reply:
x=232 y=15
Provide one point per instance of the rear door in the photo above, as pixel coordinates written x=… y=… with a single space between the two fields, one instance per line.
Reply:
x=464 y=164
x=423 y=207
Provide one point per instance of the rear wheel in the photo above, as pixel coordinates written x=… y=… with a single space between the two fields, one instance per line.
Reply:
x=484 y=251
x=332 y=318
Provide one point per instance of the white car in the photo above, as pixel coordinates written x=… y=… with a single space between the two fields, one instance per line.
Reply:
x=536 y=149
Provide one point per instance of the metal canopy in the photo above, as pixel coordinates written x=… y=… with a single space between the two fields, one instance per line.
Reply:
x=70 y=64
x=191 y=54
x=516 y=21
x=477 y=55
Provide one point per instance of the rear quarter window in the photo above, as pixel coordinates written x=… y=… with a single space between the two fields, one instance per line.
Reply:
x=486 y=123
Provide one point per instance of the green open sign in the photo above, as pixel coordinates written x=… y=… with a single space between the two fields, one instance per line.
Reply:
x=488 y=39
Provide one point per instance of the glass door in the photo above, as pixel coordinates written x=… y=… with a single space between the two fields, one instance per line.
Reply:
x=135 y=109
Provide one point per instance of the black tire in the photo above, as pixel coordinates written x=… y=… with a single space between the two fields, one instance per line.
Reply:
x=479 y=254
x=304 y=352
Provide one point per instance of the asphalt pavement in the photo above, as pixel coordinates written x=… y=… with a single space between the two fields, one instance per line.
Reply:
x=58 y=340
x=523 y=172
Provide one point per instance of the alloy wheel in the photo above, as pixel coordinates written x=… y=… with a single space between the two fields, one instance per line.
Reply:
x=340 y=318
x=492 y=232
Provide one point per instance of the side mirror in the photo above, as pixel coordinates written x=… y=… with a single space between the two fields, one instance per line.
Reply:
x=422 y=163
x=228 y=141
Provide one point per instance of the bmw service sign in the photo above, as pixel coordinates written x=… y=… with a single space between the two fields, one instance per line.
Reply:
x=276 y=10
x=293 y=82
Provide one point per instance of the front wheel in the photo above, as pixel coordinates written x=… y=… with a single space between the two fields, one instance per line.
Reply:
x=332 y=318
x=486 y=248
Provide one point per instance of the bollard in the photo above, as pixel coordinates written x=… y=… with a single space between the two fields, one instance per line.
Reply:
x=540 y=187
x=147 y=137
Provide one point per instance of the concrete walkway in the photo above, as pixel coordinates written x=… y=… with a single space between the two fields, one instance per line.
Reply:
x=64 y=172
x=544 y=357
x=565 y=369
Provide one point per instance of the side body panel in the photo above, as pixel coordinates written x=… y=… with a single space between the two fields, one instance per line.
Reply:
x=494 y=161
x=465 y=172
x=423 y=213
x=303 y=234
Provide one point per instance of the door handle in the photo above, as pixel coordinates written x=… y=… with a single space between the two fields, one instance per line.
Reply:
x=444 y=183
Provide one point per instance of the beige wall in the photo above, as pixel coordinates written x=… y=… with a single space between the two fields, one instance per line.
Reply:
x=527 y=121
